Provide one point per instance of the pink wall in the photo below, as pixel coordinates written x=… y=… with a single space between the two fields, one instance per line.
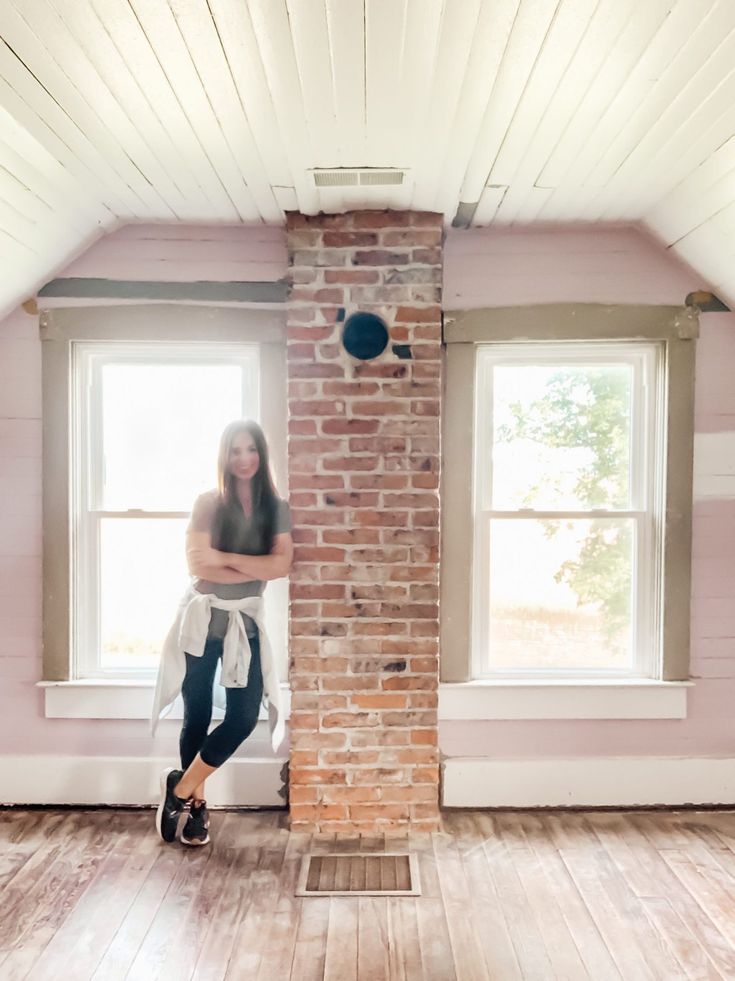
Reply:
x=136 y=252
x=186 y=253
x=513 y=267
x=547 y=266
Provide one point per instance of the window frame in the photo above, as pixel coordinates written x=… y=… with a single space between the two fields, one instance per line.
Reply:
x=676 y=329
x=88 y=359
x=645 y=359
x=164 y=323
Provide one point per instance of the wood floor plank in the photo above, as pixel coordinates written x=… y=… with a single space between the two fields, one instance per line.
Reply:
x=195 y=919
x=637 y=947
x=558 y=940
x=503 y=851
x=94 y=919
x=592 y=948
x=310 y=941
x=40 y=901
x=242 y=844
x=122 y=951
x=650 y=876
x=247 y=949
x=164 y=933
x=279 y=942
x=624 y=846
x=610 y=896
x=467 y=950
x=437 y=960
x=340 y=956
x=476 y=844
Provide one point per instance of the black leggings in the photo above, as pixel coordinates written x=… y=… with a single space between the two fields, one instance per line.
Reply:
x=241 y=712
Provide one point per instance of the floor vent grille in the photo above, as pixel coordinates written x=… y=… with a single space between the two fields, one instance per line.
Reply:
x=386 y=874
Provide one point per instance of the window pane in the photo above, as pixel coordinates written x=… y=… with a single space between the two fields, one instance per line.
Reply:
x=560 y=594
x=161 y=429
x=142 y=578
x=561 y=436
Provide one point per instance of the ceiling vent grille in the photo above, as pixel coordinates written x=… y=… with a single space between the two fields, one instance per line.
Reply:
x=370 y=177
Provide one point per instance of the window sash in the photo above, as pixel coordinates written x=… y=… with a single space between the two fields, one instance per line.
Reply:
x=646 y=496
x=87 y=474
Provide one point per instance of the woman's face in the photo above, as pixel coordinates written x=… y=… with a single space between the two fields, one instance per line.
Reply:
x=244 y=457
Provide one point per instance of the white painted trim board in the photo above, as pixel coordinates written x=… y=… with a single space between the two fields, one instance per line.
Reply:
x=593 y=781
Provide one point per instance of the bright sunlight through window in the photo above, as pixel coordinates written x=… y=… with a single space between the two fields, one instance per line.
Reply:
x=567 y=518
x=148 y=419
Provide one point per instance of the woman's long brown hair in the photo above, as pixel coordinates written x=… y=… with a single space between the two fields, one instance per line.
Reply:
x=264 y=496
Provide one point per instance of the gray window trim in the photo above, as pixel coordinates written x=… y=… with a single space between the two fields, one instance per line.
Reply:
x=170 y=322
x=678 y=328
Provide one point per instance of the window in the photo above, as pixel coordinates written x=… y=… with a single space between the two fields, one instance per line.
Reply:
x=134 y=402
x=147 y=421
x=567 y=470
x=567 y=497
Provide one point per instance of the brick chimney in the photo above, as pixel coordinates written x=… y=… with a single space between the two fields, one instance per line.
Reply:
x=364 y=457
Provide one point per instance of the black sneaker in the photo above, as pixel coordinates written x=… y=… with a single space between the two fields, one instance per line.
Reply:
x=171 y=807
x=196 y=829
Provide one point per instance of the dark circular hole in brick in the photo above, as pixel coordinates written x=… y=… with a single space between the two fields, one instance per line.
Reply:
x=365 y=335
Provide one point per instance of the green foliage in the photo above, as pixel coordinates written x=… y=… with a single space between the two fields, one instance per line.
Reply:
x=588 y=408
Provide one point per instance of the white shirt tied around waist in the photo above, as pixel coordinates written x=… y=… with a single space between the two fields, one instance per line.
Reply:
x=188 y=635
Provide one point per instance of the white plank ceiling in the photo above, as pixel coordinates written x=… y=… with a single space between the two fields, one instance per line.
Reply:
x=524 y=111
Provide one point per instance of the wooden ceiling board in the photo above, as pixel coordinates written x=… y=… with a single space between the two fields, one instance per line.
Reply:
x=165 y=34
x=129 y=38
x=678 y=104
x=275 y=43
x=204 y=43
x=178 y=181
x=564 y=37
x=688 y=146
x=57 y=67
x=703 y=194
x=579 y=77
x=456 y=34
x=598 y=117
x=313 y=56
x=385 y=104
x=492 y=32
x=40 y=171
x=36 y=110
x=54 y=32
x=241 y=50
x=346 y=28
x=530 y=29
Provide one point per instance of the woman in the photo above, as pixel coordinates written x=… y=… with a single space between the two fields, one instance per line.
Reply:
x=238 y=538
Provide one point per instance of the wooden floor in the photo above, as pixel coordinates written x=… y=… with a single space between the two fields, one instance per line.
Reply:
x=560 y=895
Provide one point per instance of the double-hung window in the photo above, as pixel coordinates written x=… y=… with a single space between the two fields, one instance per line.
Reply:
x=566 y=510
x=135 y=402
x=568 y=462
x=147 y=421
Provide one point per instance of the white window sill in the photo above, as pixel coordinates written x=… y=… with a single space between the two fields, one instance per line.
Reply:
x=103 y=698
x=633 y=698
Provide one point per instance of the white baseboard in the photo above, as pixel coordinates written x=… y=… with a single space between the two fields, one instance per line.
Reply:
x=122 y=781
x=589 y=782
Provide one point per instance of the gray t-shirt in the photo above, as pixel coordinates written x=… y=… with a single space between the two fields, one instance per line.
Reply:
x=242 y=539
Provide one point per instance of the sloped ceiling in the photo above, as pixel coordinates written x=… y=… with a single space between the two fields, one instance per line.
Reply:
x=507 y=111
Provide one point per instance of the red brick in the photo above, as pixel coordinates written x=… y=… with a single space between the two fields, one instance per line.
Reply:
x=318 y=775
x=379 y=701
x=349 y=427
x=349 y=276
x=341 y=239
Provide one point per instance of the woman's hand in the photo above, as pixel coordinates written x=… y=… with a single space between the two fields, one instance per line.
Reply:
x=265 y=567
x=209 y=563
